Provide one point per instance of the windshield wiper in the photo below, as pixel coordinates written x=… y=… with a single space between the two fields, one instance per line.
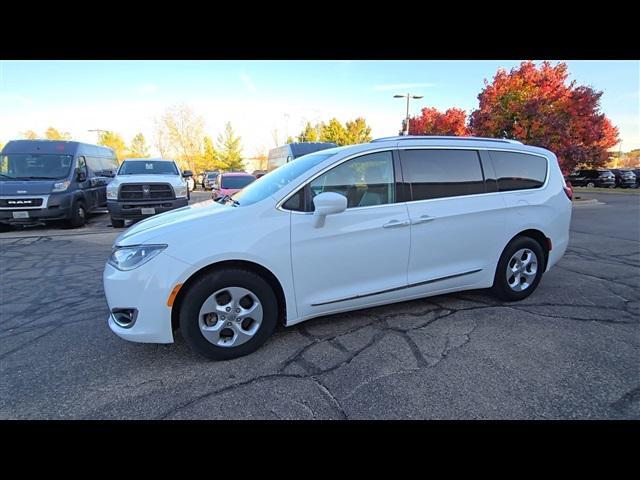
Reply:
x=226 y=198
x=36 y=178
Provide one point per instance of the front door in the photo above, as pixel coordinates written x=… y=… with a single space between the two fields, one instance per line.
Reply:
x=358 y=254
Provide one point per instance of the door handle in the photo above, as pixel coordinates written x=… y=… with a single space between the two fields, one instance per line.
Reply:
x=395 y=223
x=424 y=219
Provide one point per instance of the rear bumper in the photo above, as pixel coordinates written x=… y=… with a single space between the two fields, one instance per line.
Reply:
x=121 y=210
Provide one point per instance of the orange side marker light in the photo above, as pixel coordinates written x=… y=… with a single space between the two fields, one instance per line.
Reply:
x=173 y=295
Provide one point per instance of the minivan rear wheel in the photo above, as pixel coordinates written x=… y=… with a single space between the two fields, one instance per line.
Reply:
x=519 y=269
x=591 y=185
x=228 y=313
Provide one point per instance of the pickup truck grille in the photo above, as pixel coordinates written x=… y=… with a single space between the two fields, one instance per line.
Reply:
x=146 y=191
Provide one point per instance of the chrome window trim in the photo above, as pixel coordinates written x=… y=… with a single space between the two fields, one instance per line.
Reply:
x=45 y=201
x=421 y=147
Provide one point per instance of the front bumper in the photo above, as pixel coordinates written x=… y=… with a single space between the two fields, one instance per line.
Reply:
x=58 y=207
x=122 y=210
x=627 y=183
x=146 y=289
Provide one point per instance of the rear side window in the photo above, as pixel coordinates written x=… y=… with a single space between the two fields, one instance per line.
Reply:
x=442 y=173
x=518 y=171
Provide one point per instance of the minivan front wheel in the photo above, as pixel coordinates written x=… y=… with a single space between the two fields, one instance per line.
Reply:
x=78 y=215
x=591 y=185
x=228 y=313
x=519 y=270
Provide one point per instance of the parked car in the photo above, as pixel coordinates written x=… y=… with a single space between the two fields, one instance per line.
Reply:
x=592 y=178
x=286 y=153
x=624 y=178
x=209 y=179
x=144 y=187
x=259 y=173
x=191 y=183
x=228 y=183
x=46 y=180
x=337 y=230
x=636 y=172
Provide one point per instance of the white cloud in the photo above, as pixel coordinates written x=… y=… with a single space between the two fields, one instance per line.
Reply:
x=246 y=79
x=401 y=86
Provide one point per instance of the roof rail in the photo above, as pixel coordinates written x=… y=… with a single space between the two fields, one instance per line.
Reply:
x=444 y=137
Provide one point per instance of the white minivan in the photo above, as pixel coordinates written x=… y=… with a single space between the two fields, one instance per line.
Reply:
x=341 y=229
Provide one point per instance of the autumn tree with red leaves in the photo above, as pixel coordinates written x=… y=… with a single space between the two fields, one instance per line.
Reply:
x=538 y=107
x=434 y=122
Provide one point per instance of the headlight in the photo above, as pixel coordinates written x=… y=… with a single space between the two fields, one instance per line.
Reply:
x=61 y=186
x=112 y=193
x=181 y=191
x=128 y=258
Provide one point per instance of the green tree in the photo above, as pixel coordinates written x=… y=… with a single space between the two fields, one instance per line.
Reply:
x=54 y=134
x=290 y=139
x=334 y=132
x=30 y=135
x=138 y=148
x=357 y=131
x=309 y=134
x=229 y=149
x=115 y=142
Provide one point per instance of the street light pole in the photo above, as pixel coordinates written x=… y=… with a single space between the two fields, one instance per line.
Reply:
x=408 y=96
x=98 y=130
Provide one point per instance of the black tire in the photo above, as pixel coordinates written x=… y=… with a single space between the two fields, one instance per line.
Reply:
x=208 y=284
x=4 y=227
x=78 y=215
x=117 y=222
x=501 y=287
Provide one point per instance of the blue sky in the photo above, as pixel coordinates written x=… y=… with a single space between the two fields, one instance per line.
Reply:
x=259 y=97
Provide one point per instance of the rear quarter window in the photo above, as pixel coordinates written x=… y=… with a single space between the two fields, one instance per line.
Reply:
x=518 y=171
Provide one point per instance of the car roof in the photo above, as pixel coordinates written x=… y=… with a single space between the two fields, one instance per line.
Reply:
x=148 y=160
x=236 y=174
x=66 y=147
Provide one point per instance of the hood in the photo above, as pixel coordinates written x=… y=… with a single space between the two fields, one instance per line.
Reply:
x=26 y=187
x=153 y=178
x=180 y=219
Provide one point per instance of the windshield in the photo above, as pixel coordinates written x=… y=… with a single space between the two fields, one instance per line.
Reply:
x=279 y=178
x=145 y=168
x=34 y=166
x=236 y=181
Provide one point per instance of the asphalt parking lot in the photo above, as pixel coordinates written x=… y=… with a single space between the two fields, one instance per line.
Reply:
x=569 y=351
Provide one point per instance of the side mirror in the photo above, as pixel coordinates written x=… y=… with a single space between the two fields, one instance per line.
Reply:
x=187 y=173
x=81 y=176
x=327 y=203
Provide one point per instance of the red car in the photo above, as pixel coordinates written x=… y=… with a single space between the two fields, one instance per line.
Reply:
x=230 y=183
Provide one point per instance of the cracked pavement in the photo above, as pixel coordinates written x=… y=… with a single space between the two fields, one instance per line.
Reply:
x=569 y=351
